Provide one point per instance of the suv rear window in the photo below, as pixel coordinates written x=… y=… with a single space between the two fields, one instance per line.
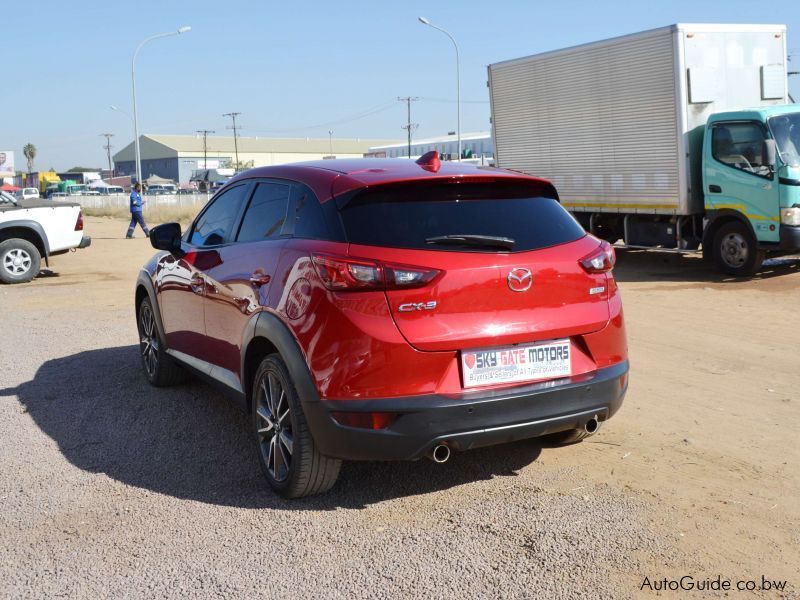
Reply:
x=408 y=216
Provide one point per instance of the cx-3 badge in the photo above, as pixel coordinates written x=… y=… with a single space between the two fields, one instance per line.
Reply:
x=520 y=279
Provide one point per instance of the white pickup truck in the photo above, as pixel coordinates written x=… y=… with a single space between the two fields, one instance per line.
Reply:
x=32 y=230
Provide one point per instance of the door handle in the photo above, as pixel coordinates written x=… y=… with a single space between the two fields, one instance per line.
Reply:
x=714 y=189
x=260 y=279
x=197 y=284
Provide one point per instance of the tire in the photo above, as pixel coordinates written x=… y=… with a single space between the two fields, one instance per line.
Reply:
x=288 y=456
x=20 y=261
x=736 y=250
x=161 y=370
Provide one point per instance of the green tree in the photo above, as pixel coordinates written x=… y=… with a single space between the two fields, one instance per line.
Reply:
x=29 y=150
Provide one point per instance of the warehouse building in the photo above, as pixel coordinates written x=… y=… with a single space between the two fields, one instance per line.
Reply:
x=177 y=156
x=473 y=145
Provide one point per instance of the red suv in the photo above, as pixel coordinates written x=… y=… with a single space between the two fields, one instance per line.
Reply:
x=387 y=310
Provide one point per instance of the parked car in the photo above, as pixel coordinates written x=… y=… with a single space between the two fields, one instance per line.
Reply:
x=27 y=193
x=34 y=229
x=159 y=189
x=111 y=190
x=387 y=310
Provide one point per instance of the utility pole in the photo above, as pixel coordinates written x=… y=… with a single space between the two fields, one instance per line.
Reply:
x=233 y=116
x=204 y=133
x=330 y=142
x=108 y=147
x=409 y=126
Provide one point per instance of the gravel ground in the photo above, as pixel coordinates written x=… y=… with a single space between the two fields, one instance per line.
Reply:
x=111 y=488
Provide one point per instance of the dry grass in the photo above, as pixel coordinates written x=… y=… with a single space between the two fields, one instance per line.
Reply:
x=159 y=214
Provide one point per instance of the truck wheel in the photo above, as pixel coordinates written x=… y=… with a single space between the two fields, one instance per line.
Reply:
x=159 y=367
x=289 y=458
x=19 y=261
x=736 y=250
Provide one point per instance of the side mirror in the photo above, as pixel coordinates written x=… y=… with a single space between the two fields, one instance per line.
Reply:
x=769 y=153
x=167 y=237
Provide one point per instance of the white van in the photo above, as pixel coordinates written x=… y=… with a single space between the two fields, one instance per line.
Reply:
x=27 y=193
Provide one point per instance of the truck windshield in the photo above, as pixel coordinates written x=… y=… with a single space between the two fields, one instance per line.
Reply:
x=786 y=131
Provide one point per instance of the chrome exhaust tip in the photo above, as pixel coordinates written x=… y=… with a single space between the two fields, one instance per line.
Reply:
x=592 y=425
x=440 y=453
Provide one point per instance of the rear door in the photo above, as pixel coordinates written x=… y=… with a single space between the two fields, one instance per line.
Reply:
x=238 y=285
x=484 y=295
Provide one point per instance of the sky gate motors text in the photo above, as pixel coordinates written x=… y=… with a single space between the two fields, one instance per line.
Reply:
x=521 y=356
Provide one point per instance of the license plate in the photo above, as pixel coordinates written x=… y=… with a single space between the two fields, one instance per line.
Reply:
x=533 y=362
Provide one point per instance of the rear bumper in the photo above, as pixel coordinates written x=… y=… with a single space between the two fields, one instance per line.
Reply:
x=86 y=241
x=469 y=420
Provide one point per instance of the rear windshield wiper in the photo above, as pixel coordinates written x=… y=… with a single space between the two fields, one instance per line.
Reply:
x=488 y=241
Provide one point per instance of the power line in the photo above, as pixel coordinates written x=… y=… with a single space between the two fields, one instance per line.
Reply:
x=451 y=101
x=204 y=133
x=357 y=116
x=409 y=126
x=233 y=116
x=108 y=147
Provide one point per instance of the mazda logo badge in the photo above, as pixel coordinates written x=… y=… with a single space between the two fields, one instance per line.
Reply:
x=520 y=279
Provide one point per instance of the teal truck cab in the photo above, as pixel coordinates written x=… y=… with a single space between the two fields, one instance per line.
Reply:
x=751 y=184
x=650 y=143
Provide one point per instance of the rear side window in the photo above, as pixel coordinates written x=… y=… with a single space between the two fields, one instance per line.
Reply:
x=309 y=219
x=411 y=216
x=266 y=213
x=215 y=224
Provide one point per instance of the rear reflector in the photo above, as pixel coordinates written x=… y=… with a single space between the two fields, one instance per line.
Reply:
x=340 y=273
x=364 y=420
x=79 y=222
x=601 y=260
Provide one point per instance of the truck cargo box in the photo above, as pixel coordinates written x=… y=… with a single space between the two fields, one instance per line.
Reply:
x=617 y=125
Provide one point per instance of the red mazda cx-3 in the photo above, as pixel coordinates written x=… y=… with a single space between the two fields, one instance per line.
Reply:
x=387 y=310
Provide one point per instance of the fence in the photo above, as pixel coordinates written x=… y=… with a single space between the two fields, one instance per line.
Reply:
x=120 y=201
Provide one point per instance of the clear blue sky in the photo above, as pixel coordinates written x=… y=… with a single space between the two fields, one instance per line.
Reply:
x=290 y=66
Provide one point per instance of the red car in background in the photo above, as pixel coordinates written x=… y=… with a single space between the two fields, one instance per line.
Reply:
x=387 y=310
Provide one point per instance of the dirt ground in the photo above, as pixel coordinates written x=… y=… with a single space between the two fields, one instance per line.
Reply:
x=109 y=487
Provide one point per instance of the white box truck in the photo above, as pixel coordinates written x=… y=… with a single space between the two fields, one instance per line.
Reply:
x=678 y=137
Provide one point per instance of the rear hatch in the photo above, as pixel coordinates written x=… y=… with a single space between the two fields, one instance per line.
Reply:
x=500 y=261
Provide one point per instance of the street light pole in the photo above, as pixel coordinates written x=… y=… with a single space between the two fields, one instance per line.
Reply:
x=178 y=31
x=425 y=21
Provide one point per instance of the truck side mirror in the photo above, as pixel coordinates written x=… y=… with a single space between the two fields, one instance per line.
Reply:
x=167 y=237
x=769 y=153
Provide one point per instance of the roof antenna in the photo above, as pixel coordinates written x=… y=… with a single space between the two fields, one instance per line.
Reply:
x=430 y=161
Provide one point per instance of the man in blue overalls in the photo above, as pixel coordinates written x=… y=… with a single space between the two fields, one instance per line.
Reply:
x=136 y=212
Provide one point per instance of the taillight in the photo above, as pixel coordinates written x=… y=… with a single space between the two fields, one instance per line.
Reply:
x=79 y=222
x=339 y=273
x=364 y=420
x=601 y=260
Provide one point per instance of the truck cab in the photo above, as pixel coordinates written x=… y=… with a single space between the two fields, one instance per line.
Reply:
x=751 y=186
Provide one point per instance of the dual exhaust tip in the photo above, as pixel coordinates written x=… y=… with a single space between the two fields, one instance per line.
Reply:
x=440 y=453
